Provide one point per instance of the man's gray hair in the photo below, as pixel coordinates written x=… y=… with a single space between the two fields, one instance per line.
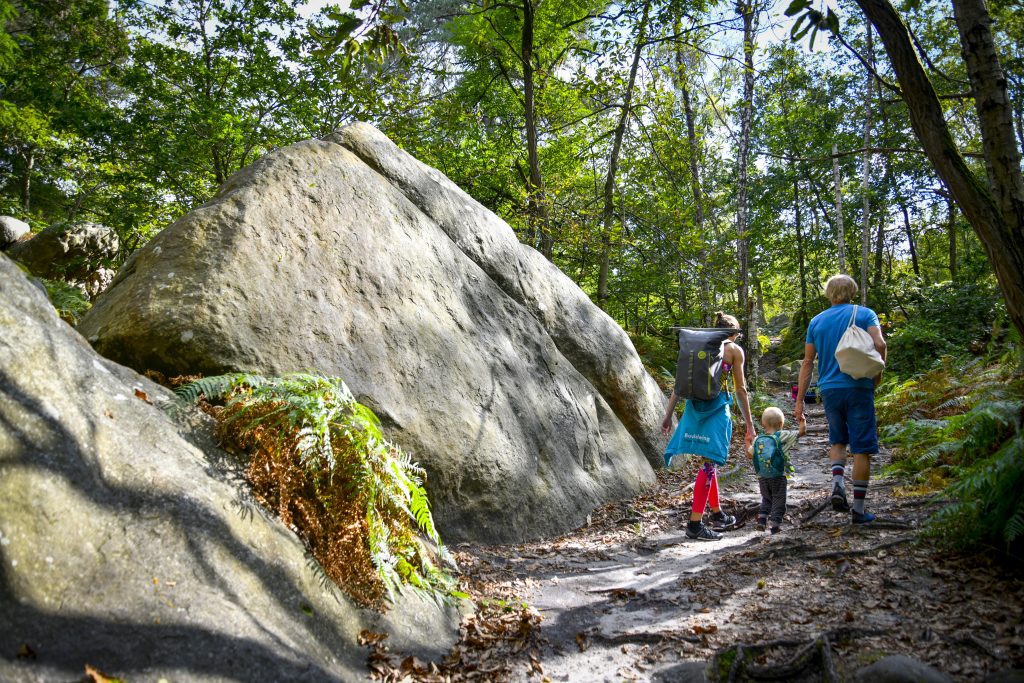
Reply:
x=840 y=289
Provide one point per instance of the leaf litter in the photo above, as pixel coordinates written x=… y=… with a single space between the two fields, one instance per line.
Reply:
x=817 y=601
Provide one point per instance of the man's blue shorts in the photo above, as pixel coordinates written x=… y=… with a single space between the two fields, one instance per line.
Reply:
x=851 y=418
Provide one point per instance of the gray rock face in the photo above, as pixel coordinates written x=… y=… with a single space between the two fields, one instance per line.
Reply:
x=482 y=359
x=125 y=547
x=72 y=252
x=11 y=230
x=596 y=346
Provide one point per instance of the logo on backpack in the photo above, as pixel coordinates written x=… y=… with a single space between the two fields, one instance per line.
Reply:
x=699 y=368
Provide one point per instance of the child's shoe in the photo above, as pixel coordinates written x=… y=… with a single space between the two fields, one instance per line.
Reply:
x=861 y=517
x=699 y=532
x=720 y=520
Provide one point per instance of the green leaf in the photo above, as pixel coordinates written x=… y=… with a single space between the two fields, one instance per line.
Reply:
x=797 y=6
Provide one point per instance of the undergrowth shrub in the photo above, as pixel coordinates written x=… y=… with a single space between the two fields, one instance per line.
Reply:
x=944 y=319
x=964 y=419
x=320 y=461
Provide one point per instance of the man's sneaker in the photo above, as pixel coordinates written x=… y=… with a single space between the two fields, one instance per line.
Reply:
x=839 y=503
x=720 y=520
x=775 y=530
x=760 y=526
x=862 y=517
x=702 y=533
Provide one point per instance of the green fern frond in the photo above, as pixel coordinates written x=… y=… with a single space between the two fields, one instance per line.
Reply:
x=317 y=421
x=216 y=387
x=1015 y=526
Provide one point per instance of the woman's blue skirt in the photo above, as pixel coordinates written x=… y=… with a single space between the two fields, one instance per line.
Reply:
x=705 y=430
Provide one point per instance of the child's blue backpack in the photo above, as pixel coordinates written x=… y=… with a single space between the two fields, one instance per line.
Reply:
x=769 y=457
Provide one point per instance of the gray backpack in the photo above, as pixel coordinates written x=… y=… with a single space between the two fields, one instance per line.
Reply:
x=699 y=369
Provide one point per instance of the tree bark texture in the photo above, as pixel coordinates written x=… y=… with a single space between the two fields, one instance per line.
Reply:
x=750 y=13
x=997 y=212
x=865 y=232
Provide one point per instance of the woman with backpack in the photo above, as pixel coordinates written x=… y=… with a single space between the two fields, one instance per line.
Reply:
x=705 y=430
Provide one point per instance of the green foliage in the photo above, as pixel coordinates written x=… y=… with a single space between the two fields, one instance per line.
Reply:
x=945 y=319
x=71 y=303
x=964 y=419
x=311 y=428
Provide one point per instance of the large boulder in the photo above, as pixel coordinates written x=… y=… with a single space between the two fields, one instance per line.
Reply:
x=73 y=252
x=125 y=547
x=527 y=405
x=11 y=230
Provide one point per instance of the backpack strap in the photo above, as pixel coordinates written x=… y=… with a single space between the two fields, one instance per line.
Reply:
x=853 y=317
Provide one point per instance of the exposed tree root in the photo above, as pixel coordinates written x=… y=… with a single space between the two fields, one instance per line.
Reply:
x=812 y=661
x=814 y=513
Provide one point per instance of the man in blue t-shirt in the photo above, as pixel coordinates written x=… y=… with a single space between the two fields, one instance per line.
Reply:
x=849 y=403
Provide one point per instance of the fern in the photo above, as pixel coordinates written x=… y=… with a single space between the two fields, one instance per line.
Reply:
x=321 y=460
x=964 y=420
x=69 y=301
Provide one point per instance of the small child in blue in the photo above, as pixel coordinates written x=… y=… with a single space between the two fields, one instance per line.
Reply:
x=771 y=463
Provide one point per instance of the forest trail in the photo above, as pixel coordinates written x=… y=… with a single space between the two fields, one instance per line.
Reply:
x=629 y=597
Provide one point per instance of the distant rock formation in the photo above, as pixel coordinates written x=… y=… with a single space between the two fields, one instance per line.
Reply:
x=126 y=547
x=526 y=403
x=77 y=253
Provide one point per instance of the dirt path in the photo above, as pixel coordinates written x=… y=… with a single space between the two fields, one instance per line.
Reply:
x=629 y=597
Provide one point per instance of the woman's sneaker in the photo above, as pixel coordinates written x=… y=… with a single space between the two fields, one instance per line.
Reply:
x=839 y=503
x=699 y=532
x=720 y=520
x=861 y=517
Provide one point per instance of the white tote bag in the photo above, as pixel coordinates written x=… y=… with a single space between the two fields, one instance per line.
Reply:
x=856 y=352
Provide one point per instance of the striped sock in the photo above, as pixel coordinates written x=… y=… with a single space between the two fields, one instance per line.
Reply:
x=860 y=492
x=838 y=470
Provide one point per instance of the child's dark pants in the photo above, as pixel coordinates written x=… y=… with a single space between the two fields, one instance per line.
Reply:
x=773 y=499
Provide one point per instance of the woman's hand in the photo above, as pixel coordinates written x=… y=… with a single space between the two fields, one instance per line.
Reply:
x=749 y=437
x=666 y=424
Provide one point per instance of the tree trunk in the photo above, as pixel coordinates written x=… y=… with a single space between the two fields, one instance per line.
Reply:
x=613 y=162
x=29 y=157
x=951 y=228
x=536 y=204
x=996 y=214
x=910 y=239
x=801 y=266
x=865 y=232
x=750 y=18
x=840 y=234
x=876 y=282
x=695 y=186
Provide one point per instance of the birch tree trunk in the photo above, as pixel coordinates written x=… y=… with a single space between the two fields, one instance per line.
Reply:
x=750 y=13
x=837 y=181
x=865 y=232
